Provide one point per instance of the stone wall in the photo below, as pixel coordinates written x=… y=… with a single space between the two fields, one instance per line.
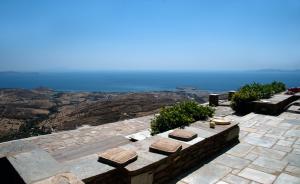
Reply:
x=156 y=168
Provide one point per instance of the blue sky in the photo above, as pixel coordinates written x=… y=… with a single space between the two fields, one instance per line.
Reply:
x=61 y=35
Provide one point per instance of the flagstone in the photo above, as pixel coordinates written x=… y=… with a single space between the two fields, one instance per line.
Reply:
x=284 y=178
x=260 y=141
x=269 y=153
x=270 y=163
x=209 y=173
x=240 y=150
x=293 y=169
x=230 y=178
x=232 y=161
x=257 y=176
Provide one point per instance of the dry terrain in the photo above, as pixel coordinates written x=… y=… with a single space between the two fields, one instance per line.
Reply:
x=25 y=113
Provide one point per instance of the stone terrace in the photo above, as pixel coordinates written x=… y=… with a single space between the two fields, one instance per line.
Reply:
x=268 y=152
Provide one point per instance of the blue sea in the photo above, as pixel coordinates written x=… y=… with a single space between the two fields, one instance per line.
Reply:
x=129 y=81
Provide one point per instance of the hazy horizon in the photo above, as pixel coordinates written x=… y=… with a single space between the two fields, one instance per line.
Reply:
x=140 y=35
x=145 y=70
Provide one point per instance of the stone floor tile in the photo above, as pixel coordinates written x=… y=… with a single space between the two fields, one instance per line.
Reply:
x=270 y=163
x=232 y=161
x=293 y=133
x=284 y=143
x=293 y=170
x=260 y=141
x=291 y=139
x=230 y=178
x=282 y=148
x=296 y=151
x=222 y=182
x=269 y=153
x=287 y=179
x=209 y=173
x=242 y=134
x=264 y=169
x=235 y=171
x=240 y=150
x=257 y=176
x=296 y=146
x=253 y=182
x=293 y=159
x=251 y=156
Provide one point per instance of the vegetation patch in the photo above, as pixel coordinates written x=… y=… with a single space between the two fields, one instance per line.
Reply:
x=255 y=91
x=180 y=115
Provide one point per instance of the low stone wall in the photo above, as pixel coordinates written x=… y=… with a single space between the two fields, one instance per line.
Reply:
x=33 y=165
x=273 y=106
x=157 y=168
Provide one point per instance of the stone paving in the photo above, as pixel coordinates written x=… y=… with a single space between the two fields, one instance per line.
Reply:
x=87 y=139
x=268 y=152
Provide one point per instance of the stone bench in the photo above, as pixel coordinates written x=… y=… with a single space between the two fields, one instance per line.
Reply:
x=153 y=167
x=274 y=105
x=30 y=164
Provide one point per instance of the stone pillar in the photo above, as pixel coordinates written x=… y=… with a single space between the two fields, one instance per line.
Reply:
x=213 y=99
x=230 y=94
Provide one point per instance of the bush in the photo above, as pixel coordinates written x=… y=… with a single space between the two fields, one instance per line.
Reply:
x=255 y=91
x=278 y=86
x=179 y=115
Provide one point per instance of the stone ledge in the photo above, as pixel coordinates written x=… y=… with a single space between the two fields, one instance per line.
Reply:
x=274 y=105
x=33 y=164
x=157 y=168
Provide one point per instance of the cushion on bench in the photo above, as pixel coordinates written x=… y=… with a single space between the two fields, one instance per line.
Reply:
x=183 y=135
x=117 y=157
x=165 y=146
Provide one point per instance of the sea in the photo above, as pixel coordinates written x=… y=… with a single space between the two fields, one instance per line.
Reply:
x=141 y=81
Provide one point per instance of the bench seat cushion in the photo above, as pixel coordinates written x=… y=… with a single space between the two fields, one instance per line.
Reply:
x=165 y=146
x=183 y=135
x=117 y=157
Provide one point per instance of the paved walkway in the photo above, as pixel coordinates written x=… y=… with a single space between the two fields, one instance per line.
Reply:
x=268 y=152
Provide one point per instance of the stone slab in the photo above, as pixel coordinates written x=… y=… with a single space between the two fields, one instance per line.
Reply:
x=15 y=147
x=210 y=173
x=88 y=149
x=240 y=150
x=269 y=153
x=260 y=141
x=293 y=158
x=287 y=179
x=270 y=163
x=293 y=133
x=292 y=121
x=293 y=169
x=232 y=161
x=257 y=176
x=62 y=178
x=87 y=167
x=230 y=178
x=35 y=165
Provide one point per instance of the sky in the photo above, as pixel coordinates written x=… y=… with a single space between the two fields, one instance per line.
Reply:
x=73 y=35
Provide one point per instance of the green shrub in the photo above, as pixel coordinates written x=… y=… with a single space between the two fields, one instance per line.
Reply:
x=179 y=115
x=255 y=91
x=278 y=86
